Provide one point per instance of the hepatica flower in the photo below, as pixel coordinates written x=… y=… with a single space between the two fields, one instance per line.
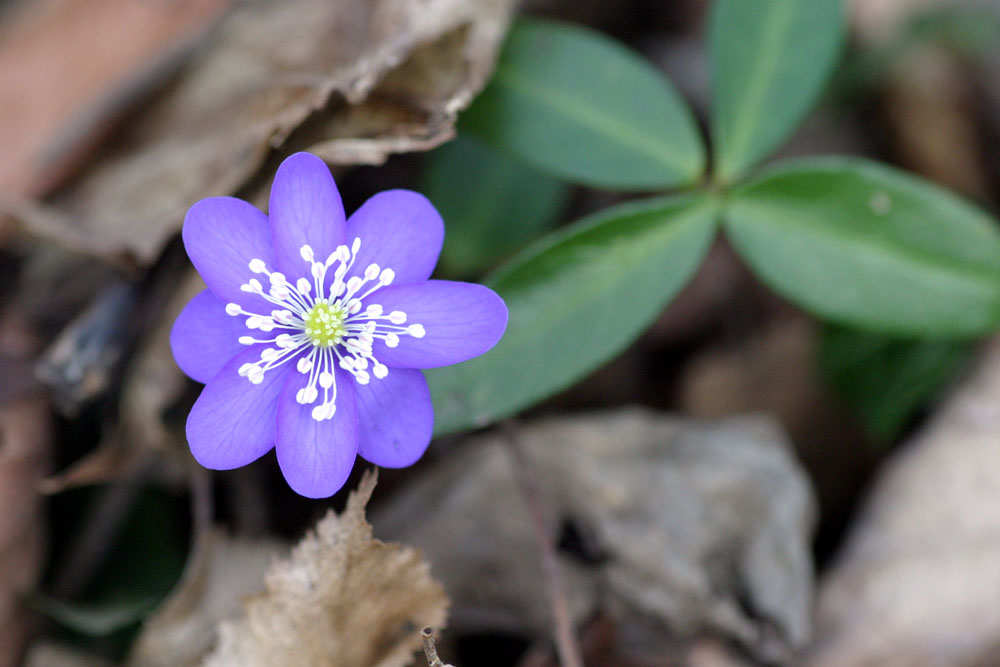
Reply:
x=313 y=328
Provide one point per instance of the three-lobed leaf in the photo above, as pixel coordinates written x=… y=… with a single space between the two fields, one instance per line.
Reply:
x=867 y=245
x=770 y=60
x=581 y=106
x=576 y=300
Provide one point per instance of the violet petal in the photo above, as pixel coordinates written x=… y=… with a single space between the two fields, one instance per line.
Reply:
x=316 y=457
x=400 y=230
x=232 y=422
x=305 y=209
x=204 y=338
x=395 y=418
x=461 y=320
x=221 y=236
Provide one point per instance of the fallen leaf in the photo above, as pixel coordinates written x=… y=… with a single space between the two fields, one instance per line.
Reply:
x=268 y=67
x=222 y=571
x=72 y=63
x=922 y=563
x=342 y=598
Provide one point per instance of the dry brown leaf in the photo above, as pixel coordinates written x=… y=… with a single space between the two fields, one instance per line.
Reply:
x=343 y=598
x=268 y=67
x=70 y=62
x=916 y=585
x=222 y=571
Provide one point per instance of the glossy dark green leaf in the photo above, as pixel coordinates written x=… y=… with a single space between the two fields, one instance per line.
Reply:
x=576 y=300
x=583 y=107
x=863 y=244
x=492 y=205
x=886 y=380
x=770 y=60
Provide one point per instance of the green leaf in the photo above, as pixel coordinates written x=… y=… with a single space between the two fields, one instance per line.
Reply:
x=583 y=107
x=576 y=300
x=863 y=244
x=770 y=60
x=886 y=380
x=492 y=206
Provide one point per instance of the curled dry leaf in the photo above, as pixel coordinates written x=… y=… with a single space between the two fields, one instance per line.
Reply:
x=343 y=598
x=222 y=571
x=269 y=67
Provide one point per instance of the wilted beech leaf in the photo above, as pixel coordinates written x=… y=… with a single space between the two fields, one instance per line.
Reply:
x=343 y=598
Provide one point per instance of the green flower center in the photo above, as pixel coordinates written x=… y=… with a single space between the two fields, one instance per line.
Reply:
x=325 y=323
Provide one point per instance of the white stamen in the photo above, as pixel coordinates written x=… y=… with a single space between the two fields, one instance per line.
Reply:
x=306 y=252
x=388 y=275
x=233 y=309
x=416 y=330
x=380 y=370
x=258 y=266
x=391 y=340
x=325 y=380
x=303 y=286
x=397 y=317
x=371 y=273
x=305 y=365
x=374 y=310
x=247 y=340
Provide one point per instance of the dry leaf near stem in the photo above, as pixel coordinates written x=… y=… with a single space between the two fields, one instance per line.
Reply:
x=342 y=598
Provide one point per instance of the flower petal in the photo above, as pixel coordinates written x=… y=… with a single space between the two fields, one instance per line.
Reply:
x=461 y=320
x=232 y=422
x=221 y=236
x=305 y=209
x=395 y=419
x=204 y=337
x=316 y=457
x=400 y=230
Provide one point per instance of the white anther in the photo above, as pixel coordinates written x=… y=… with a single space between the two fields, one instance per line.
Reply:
x=244 y=369
x=323 y=412
x=361 y=364
x=303 y=286
x=258 y=266
x=306 y=395
x=343 y=253
x=388 y=275
x=247 y=340
x=305 y=365
x=282 y=316
x=391 y=340
x=255 y=374
x=279 y=292
x=397 y=317
x=253 y=322
x=353 y=284
x=284 y=341
x=380 y=370
x=326 y=379
x=362 y=377
x=338 y=289
x=354 y=306
x=277 y=278
x=307 y=254
x=371 y=273
x=255 y=286
x=355 y=246
x=266 y=324
x=347 y=363
x=331 y=258
x=233 y=309
x=416 y=330
x=373 y=310
x=268 y=354
x=317 y=269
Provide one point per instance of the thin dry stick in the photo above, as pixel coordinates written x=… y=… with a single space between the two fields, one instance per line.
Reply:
x=430 y=650
x=566 y=645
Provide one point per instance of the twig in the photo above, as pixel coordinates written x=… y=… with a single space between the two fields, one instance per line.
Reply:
x=430 y=650
x=566 y=644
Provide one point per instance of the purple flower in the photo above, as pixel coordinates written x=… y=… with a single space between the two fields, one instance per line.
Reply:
x=312 y=329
